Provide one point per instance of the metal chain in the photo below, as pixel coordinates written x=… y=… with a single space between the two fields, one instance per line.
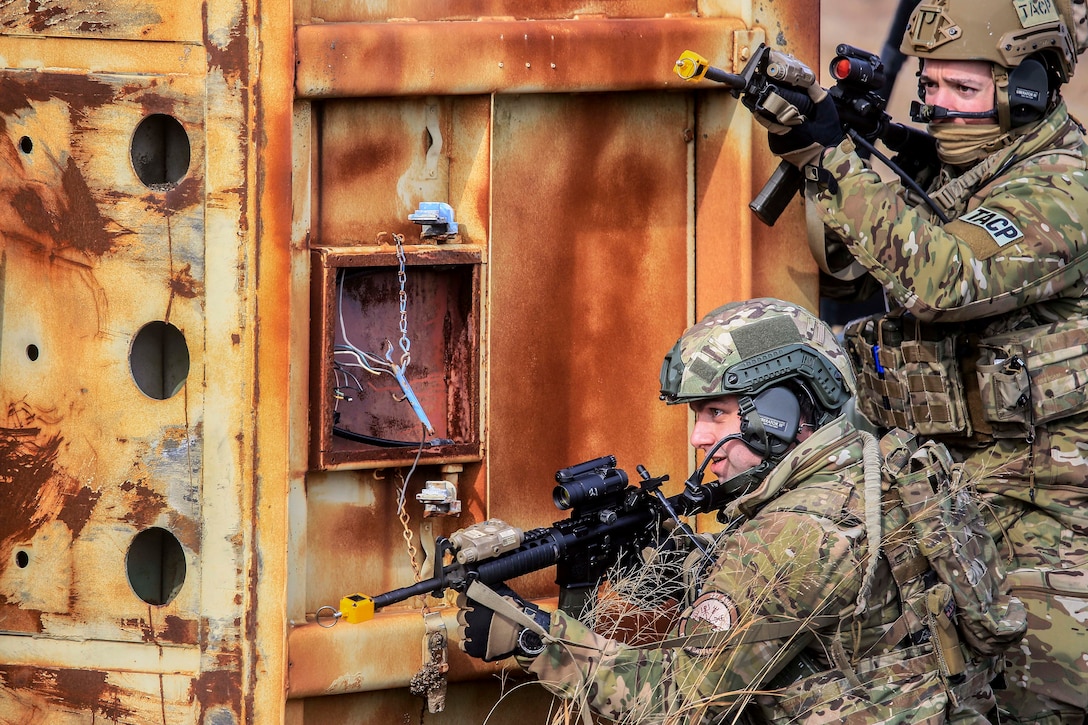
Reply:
x=405 y=343
x=406 y=524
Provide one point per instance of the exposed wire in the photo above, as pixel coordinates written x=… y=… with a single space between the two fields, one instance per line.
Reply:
x=373 y=364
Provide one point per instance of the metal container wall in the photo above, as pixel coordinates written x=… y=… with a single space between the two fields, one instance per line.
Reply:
x=185 y=189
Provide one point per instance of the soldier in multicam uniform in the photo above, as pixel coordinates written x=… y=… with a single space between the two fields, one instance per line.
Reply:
x=800 y=617
x=989 y=349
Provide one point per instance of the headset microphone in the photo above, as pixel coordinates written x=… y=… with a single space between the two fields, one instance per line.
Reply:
x=696 y=477
x=924 y=113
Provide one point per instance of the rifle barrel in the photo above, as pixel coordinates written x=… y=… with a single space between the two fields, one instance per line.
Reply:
x=732 y=80
x=433 y=584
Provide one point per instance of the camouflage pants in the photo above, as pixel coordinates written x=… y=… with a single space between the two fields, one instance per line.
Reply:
x=1037 y=496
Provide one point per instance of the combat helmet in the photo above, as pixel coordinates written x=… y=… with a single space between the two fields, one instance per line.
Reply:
x=1032 y=45
x=776 y=357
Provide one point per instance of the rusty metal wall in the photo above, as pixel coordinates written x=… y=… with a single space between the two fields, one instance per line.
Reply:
x=610 y=207
x=170 y=522
x=134 y=290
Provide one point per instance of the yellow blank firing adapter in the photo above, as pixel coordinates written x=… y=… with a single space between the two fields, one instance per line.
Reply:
x=691 y=66
x=356 y=608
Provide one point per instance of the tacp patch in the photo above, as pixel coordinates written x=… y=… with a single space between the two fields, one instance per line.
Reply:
x=712 y=612
x=1000 y=228
x=1036 y=12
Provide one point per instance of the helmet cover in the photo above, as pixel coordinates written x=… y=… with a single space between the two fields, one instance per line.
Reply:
x=743 y=348
x=1003 y=32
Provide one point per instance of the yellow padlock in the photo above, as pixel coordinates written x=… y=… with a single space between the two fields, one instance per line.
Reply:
x=356 y=608
x=691 y=66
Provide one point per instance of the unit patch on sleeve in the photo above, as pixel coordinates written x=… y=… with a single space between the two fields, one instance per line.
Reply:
x=997 y=225
x=712 y=612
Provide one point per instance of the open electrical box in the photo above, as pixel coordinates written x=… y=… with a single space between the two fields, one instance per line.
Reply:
x=396 y=360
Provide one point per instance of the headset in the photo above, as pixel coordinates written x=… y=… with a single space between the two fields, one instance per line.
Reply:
x=771 y=428
x=769 y=425
x=1029 y=95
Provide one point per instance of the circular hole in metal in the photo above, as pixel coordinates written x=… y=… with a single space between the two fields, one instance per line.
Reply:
x=22 y=559
x=159 y=360
x=155 y=564
x=26 y=145
x=32 y=352
x=160 y=151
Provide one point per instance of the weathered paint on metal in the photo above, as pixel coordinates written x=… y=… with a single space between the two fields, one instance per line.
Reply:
x=613 y=206
x=595 y=194
x=90 y=253
x=120 y=19
x=332 y=661
x=732 y=163
x=338 y=60
x=414 y=149
x=493 y=699
x=594 y=268
x=330 y=11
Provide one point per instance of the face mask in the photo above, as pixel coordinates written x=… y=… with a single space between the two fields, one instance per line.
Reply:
x=963 y=144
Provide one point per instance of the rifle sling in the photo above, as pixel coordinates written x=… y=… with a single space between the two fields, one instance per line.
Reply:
x=756 y=632
x=487 y=596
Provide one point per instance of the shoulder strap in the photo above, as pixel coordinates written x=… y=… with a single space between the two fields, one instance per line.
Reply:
x=756 y=632
x=874 y=516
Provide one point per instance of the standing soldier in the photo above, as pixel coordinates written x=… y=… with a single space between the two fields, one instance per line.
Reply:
x=812 y=607
x=989 y=348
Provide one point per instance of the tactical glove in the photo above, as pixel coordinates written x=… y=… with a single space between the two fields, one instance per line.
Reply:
x=787 y=101
x=490 y=636
x=780 y=111
x=804 y=144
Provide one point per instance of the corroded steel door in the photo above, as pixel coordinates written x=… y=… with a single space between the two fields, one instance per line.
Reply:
x=214 y=257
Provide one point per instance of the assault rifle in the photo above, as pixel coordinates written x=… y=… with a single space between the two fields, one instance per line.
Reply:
x=610 y=523
x=771 y=77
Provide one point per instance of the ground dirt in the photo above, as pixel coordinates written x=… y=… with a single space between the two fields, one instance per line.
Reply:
x=865 y=23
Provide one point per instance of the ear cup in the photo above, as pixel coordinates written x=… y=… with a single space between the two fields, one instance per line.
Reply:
x=779 y=416
x=1029 y=92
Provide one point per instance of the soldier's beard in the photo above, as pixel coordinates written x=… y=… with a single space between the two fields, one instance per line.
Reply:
x=962 y=144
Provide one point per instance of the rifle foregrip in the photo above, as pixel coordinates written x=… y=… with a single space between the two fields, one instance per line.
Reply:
x=519 y=562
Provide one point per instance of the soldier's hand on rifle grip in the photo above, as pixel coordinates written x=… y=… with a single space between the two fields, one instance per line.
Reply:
x=804 y=144
x=491 y=636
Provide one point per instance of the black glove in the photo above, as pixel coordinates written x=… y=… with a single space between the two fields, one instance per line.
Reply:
x=804 y=144
x=491 y=636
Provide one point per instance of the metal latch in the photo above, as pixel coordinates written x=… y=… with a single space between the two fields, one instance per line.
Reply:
x=439 y=498
x=436 y=218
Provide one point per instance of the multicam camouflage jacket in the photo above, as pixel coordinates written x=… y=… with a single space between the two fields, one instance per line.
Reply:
x=774 y=628
x=1013 y=258
x=1017 y=234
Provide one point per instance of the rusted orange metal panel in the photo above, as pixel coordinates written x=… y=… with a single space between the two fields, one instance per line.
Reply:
x=129 y=276
x=588 y=271
x=337 y=60
x=329 y=11
x=603 y=217
x=164 y=210
x=119 y=19
x=732 y=165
